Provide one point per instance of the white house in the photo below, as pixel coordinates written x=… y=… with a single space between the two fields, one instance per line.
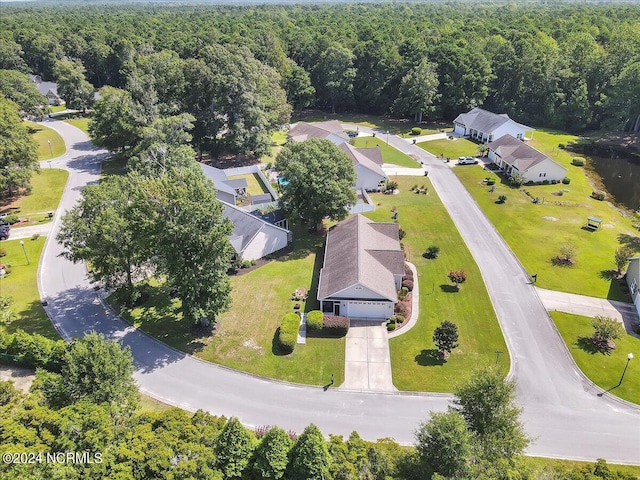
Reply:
x=369 y=174
x=485 y=127
x=330 y=130
x=48 y=89
x=362 y=270
x=516 y=157
x=252 y=237
x=633 y=280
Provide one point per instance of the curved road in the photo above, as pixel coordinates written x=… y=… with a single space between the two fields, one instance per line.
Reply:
x=564 y=415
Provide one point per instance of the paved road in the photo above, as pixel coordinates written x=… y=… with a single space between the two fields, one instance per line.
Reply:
x=561 y=408
x=561 y=411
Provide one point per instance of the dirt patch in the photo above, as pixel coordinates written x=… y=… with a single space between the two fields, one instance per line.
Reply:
x=22 y=378
x=551 y=219
x=251 y=343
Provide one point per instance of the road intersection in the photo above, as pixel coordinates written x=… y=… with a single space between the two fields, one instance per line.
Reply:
x=566 y=415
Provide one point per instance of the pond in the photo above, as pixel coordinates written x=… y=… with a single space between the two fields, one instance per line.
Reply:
x=620 y=174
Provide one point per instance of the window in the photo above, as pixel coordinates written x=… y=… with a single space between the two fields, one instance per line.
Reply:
x=634 y=286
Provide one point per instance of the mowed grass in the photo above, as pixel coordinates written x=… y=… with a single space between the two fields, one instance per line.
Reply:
x=458 y=147
x=244 y=339
x=602 y=369
x=565 y=467
x=21 y=285
x=42 y=136
x=414 y=360
x=254 y=184
x=82 y=123
x=536 y=232
x=47 y=186
x=389 y=154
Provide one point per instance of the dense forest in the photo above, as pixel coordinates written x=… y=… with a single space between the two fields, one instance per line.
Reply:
x=572 y=67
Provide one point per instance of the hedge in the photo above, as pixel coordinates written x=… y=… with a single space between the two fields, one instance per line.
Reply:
x=288 y=332
x=314 y=321
x=566 y=180
x=32 y=350
x=335 y=325
x=416 y=131
x=577 y=161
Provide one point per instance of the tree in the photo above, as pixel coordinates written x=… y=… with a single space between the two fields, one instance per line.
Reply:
x=101 y=229
x=114 y=125
x=320 y=181
x=309 y=456
x=271 y=456
x=181 y=219
x=444 y=445
x=605 y=331
x=418 y=91
x=333 y=76
x=19 y=88
x=234 y=447
x=18 y=151
x=487 y=403
x=297 y=85
x=72 y=85
x=445 y=336
x=457 y=277
x=567 y=256
x=99 y=370
x=622 y=256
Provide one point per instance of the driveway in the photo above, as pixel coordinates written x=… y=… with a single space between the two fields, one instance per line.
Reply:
x=28 y=232
x=589 y=306
x=565 y=417
x=367 y=358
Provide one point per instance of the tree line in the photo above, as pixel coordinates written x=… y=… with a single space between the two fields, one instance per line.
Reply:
x=573 y=67
x=84 y=400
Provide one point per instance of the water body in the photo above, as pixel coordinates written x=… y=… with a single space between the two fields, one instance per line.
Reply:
x=620 y=174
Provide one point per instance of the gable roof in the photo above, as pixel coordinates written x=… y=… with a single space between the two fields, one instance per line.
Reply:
x=45 y=87
x=359 y=158
x=485 y=121
x=219 y=179
x=304 y=131
x=360 y=251
x=372 y=153
x=517 y=153
x=245 y=226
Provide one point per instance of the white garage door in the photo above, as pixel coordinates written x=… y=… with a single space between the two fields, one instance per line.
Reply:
x=367 y=310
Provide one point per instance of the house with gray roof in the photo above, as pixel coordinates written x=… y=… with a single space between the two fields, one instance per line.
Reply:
x=253 y=237
x=48 y=89
x=369 y=174
x=227 y=190
x=330 y=130
x=633 y=280
x=362 y=270
x=514 y=156
x=484 y=126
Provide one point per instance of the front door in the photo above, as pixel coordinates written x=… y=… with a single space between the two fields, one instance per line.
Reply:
x=336 y=309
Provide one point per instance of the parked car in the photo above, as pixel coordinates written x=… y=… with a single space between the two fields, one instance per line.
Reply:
x=467 y=161
x=4 y=232
x=352 y=133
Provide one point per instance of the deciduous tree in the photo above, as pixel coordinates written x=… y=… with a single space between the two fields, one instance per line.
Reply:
x=271 y=456
x=234 y=447
x=445 y=336
x=73 y=87
x=19 y=88
x=309 y=456
x=114 y=124
x=321 y=181
x=418 y=91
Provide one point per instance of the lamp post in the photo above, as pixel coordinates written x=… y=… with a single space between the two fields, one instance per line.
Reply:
x=50 y=149
x=629 y=357
x=25 y=252
x=387 y=137
x=2 y=273
x=498 y=352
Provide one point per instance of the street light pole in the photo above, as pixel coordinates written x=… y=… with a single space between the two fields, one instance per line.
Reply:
x=629 y=357
x=50 y=149
x=387 y=137
x=2 y=273
x=25 y=252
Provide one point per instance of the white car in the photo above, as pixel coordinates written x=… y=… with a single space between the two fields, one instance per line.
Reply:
x=467 y=161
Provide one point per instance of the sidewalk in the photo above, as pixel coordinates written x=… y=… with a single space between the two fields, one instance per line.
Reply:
x=589 y=306
x=427 y=138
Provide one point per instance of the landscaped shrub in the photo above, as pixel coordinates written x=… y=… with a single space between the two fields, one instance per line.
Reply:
x=407 y=283
x=33 y=350
x=391 y=327
x=399 y=318
x=335 y=326
x=3 y=252
x=491 y=181
x=400 y=309
x=566 y=180
x=432 y=251
x=288 y=332
x=402 y=294
x=314 y=320
x=553 y=182
x=545 y=182
x=562 y=146
x=502 y=199
x=416 y=131
x=11 y=219
x=577 y=161
x=598 y=195
x=401 y=233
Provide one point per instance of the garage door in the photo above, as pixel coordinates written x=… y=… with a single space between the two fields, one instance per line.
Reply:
x=367 y=310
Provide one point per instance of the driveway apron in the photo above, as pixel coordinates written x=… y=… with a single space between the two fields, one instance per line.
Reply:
x=367 y=358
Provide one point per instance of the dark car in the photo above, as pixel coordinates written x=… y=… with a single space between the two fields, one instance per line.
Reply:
x=352 y=134
x=4 y=231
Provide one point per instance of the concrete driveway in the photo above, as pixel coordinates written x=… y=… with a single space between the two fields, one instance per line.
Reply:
x=367 y=358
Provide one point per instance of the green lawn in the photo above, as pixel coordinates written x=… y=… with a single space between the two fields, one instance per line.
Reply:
x=50 y=144
x=57 y=108
x=389 y=154
x=254 y=184
x=245 y=339
x=21 y=286
x=458 y=147
x=414 y=361
x=523 y=224
x=565 y=467
x=82 y=123
x=603 y=370
x=46 y=189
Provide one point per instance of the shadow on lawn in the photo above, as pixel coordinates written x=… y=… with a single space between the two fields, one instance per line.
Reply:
x=586 y=345
x=33 y=319
x=429 y=358
x=312 y=295
x=631 y=241
x=608 y=274
x=449 y=288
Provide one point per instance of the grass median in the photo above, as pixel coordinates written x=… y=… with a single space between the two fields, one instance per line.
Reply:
x=605 y=370
x=50 y=143
x=415 y=362
x=47 y=187
x=537 y=231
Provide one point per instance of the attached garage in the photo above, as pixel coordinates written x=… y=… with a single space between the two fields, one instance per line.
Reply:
x=359 y=309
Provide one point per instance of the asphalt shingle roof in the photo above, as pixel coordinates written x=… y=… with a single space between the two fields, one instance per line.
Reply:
x=484 y=121
x=517 y=153
x=304 y=131
x=358 y=157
